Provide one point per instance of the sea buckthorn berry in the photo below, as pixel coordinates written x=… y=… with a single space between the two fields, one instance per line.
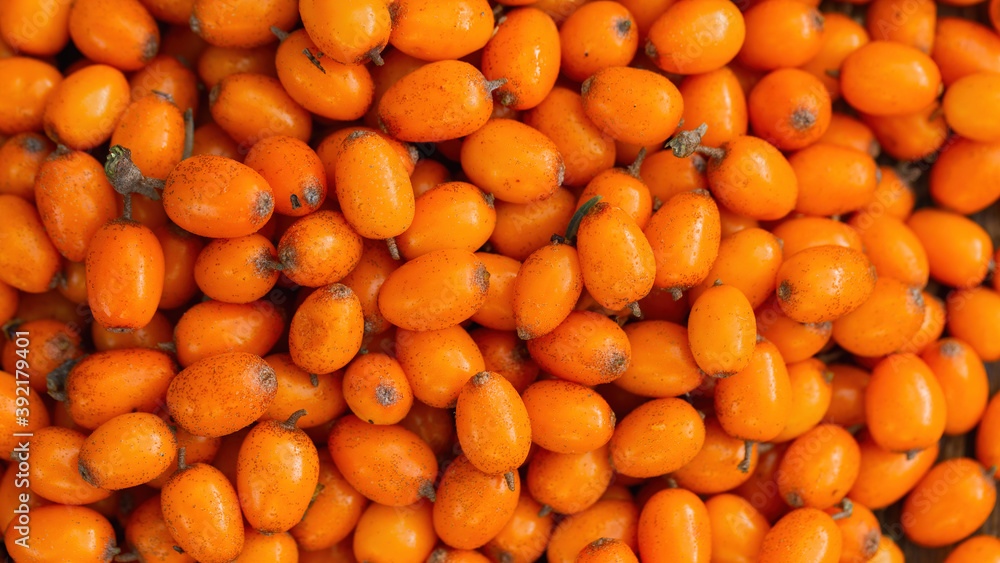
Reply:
x=612 y=519
x=717 y=28
x=958 y=249
x=497 y=311
x=716 y=99
x=504 y=353
x=916 y=30
x=961 y=165
x=450 y=215
x=128 y=450
x=241 y=24
x=233 y=199
x=737 y=527
x=915 y=417
x=665 y=175
x=432 y=32
x=124 y=275
x=525 y=536
x=972 y=315
x=43 y=36
x=54 y=474
x=473 y=506
x=434 y=291
x=180 y=253
x=662 y=364
x=334 y=511
x=146 y=531
x=987 y=447
x=294 y=172
x=436 y=102
x=326 y=330
x=388 y=534
x=123 y=34
x=211 y=139
x=387 y=463
x=607 y=550
x=796 y=341
x=58 y=531
x=427 y=174
x=492 y=424
x=800 y=233
x=376 y=389
x=523 y=228
x=319 y=249
x=566 y=417
x=889 y=78
x=251 y=107
x=197 y=449
x=74 y=200
x=237 y=270
x=806 y=535
x=438 y=363
x=216 y=63
x=884 y=476
x=51 y=344
x=585 y=150
x=219 y=395
x=622 y=188
x=524 y=50
x=366 y=280
x=973 y=90
x=512 y=161
x=71 y=119
x=21 y=158
x=202 y=513
x=8 y=400
x=811 y=394
x=893 y=248
x=911 y=136
x=753 y=404
x=569 y=483
x=321 y=395
x=750 y=177
x=632 y=105
x=963 y=47
x=674 y=526
x=781 y=34
x=658 y=437
x=819 y=467
x=950 y=503
x=140 y=377
x=789 y=108
x=30 y=261
x=616 y=259
x=245 y=327
x=824 y=283
x=841 y=36
x=847 y=131
x=152 y=127
x=328 y=89
x=881 y=325
x=684 y=235
x=977 y=548
x=27 y=92
x=373 y=187
x=596 y=36
x=271 y=449
x=716 y=468
x=963 y=381
x=747 y=260
x=847 y=403
x=833 y=179
x=352 y=32
x=586 y=348
x=722 y=330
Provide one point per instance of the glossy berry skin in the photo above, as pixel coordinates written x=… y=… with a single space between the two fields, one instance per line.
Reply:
x=202 y=513
x=234 y=200
x=805 y=535
x=125 y=269
x=632 y=105
x=638 y=450
x=270 y=449
x=388 y=464
x=819 y=477
x=722 y=331
x=950 y=503
x=58 y=530
x=915 y=417
x=586 y=348
x=492 y=424
x=472 y=506
x=824 y=283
